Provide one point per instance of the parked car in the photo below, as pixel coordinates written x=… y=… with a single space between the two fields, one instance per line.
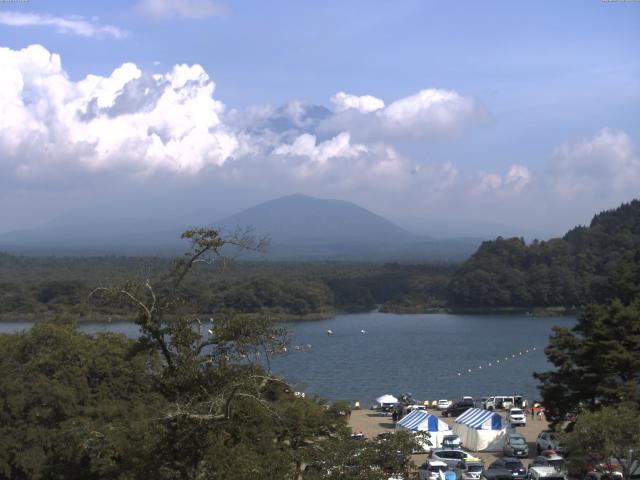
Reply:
x=451 y=456
x=552 y=460
x=451 y=441
x=513 y=465
x=601 y=473
x=496 y=474
x=515 y=445
x=442 y=404
x=432 y=470
x=547 y=441
x=469 y=470
x=544 y=473
x=498 y=401
x=457 y=408
x=516 y=417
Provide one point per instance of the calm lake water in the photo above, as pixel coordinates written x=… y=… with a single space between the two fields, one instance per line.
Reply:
x=421 y=354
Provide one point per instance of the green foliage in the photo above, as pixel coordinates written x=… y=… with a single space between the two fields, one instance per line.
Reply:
x=38 y=287
x=343 y=458
x=597 y=361
x=570 y=271
x=606 y=437
x=71 y=405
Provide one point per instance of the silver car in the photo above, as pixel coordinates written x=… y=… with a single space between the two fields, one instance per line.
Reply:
x=469 y=470
x=432 y=470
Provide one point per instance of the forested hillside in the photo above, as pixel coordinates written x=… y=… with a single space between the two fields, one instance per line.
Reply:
x=568 y=271
x=32 y=288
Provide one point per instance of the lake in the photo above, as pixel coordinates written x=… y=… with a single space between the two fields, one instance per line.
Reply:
x=432 y=356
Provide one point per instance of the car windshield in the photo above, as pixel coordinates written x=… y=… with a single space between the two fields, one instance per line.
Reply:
x=512 y=465
x=438 y=468
x=556 y=463
x=519 y=441
x=554 y=478
x=516 y=411
x=474 y=468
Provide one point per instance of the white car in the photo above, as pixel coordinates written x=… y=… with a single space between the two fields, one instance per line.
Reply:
x=544 y=473
x=516 y=416
x=432 y=470
x=547 y=441
x=442 y=404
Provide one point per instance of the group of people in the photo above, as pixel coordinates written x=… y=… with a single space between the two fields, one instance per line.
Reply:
x=537 y=409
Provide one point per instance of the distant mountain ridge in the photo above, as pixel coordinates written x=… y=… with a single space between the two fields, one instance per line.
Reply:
x=300 y=228
x=300 y=218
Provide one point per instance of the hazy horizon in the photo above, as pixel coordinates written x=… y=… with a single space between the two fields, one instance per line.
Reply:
x=447 y=119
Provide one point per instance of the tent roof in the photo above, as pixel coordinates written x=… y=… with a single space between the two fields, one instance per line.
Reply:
x=476 y=417
x=387 y=399
x=418 y=417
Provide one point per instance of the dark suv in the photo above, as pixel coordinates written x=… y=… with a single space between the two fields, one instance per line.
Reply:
x=512 y=464
x=457 y=408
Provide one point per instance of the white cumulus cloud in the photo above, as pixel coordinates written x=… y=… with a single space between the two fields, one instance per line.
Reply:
x=364 y=104
x=516 y=178
x=126 y=120
x=607 y=162
x=70 y=26
x=428 y=114
x=306 y=146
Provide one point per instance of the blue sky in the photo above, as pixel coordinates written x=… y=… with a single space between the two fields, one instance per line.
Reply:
x=540 y=124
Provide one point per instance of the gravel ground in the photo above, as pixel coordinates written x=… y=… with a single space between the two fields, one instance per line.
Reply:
x=371 y=423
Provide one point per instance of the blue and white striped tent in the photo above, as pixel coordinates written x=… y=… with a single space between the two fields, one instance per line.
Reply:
x=481 y=419
x=419 y=420
x=422 y=421
x=480 y=430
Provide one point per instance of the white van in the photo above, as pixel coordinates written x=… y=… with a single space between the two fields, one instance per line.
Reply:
x=499 y=401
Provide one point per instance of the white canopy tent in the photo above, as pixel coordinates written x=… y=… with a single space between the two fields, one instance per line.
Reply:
x=386 y=399
x=481 y=430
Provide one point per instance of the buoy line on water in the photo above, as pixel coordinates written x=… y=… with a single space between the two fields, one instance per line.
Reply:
x=494 y=363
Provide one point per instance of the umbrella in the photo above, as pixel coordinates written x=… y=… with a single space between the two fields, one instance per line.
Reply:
x=386 y=399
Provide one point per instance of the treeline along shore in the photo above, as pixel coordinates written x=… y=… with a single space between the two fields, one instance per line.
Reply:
x=505 y=275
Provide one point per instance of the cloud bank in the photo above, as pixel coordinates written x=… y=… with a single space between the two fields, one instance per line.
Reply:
x=426 y=115
x=171 y=129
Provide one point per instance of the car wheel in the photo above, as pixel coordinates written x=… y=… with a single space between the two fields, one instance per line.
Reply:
x=490 y=409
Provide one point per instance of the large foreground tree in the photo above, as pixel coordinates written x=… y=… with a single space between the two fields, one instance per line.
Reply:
x=608 y=439
x=192 y=398
x=598 y=360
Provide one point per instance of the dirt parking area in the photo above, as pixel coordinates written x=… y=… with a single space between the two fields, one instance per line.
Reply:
x=372 y=423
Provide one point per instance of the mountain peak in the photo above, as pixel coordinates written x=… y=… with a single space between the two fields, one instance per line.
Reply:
x=299 y=217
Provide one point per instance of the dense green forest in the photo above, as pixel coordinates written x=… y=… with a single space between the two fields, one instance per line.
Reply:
x=563 y=273
x=33 y=287
x=567 y=272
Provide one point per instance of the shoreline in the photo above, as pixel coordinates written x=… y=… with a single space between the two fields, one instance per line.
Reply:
x=315 y=316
